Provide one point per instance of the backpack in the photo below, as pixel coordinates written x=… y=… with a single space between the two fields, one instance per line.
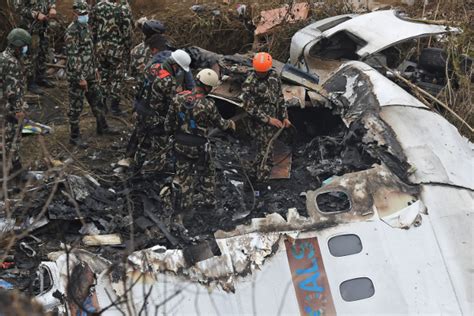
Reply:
x=185 y=116
x=142 y=101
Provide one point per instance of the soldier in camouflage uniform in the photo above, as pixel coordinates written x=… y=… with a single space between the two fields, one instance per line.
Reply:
x=83 y=76
x=34 y=17
x=11 y=95
x=151 y=105
x=141 y=54
x=112 y=29
x=157 y=45
x=190 y=118
x=128 y=34
x=158 y=89
x=263 y=101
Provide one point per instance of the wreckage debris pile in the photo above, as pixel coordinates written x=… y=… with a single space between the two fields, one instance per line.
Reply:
x=130 y=213
x=108 y=208
x=84 y=206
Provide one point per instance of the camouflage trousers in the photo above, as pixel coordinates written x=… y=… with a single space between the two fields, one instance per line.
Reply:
x=12 y=134
x=112 y=74
x=196 y=179
x=76 y=101
x=261 y=166
x=147 y=139
x=35 y=63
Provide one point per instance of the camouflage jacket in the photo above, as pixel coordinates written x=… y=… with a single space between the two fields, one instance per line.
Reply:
x=11 y=83
x=112 y=28
x=128 y=24
x=29 y=9
x=140 y=56
x=157 y=91
x=263 y=98
x=80 y=52
x=192 y=113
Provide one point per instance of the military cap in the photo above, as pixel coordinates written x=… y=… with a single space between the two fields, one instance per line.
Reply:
x=80 y=7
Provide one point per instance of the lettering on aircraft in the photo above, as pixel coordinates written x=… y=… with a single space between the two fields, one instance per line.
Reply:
x=309 y=277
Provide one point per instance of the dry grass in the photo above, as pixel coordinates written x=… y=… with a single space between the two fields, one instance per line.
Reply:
x=458 y=94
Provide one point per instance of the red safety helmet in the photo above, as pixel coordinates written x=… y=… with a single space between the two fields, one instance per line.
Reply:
x=262 y=62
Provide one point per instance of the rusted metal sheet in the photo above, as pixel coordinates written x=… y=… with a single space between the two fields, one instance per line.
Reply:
x=309 y=277
x=282 y=159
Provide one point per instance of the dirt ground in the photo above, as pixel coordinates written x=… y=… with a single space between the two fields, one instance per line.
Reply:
x=52 y=111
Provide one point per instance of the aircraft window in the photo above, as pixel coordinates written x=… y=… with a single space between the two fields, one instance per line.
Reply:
x=356 y=289
x=333 y=202
x=344 y=245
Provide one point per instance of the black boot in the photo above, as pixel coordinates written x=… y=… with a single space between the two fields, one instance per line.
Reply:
x=115 y=108
x=76 y=139
x=103 y=128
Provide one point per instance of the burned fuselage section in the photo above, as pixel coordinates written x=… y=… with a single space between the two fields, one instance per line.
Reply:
x=341 y=163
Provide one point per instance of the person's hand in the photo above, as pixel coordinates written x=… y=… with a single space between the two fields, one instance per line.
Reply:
x=83 y=84
x=52 y=13
x=286 y=123
x=20 y=116
x=41 y=17
x=275 y=122
x=232 y=125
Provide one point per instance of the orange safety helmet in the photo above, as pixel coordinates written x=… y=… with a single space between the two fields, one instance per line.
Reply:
x=262 y=62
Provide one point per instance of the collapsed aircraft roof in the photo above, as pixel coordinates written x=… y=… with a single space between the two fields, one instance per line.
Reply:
x=386 y=28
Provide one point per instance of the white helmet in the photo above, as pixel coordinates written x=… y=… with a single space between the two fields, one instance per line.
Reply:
x=182 y=58
x=208 y=77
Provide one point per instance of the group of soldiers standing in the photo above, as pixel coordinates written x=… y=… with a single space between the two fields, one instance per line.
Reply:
x=170 y=102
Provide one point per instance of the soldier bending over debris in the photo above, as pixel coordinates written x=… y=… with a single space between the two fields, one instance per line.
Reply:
x=190 y=118
x=151 y=105
x=263 y=101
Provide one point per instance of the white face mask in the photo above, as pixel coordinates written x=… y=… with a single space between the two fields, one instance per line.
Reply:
x=24 y=50
x=83 y=19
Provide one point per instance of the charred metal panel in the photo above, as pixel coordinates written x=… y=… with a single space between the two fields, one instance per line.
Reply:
x=309 y=277
x=361 y=112
x=376 y=189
